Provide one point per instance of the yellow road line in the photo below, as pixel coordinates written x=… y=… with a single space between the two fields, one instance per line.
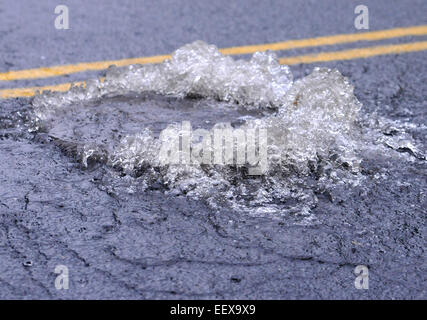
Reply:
x=31 y=91
x=74 y=68
x=320 y=57
x=331 y=40
x=355 y=53
x=286 y=45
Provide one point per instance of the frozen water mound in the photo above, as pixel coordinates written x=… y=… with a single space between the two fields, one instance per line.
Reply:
x=316 y=139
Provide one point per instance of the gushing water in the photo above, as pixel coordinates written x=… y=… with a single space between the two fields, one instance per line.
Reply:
x=317 y=139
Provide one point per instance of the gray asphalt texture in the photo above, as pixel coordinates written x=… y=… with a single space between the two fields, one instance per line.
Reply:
x=151 y=246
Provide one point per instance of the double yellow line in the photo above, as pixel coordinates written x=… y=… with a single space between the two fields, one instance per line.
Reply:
x=278 y=46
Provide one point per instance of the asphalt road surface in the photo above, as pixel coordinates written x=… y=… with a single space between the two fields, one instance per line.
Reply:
x=157 y=247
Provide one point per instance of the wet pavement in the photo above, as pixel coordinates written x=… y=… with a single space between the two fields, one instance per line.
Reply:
x=148 y=245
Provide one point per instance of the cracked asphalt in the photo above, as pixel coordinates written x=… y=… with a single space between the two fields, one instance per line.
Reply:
x=152 y=246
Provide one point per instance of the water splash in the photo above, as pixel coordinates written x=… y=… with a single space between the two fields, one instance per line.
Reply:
x=317 y=139
x=196 y=69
